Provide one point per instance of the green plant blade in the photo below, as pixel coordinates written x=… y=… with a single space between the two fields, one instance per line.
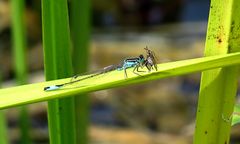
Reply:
x=58 y=64
x=27 y=94
x=80 y=32
x=218 y=87
x=236 y=115
x=19 y=41
x=3 y=124
x=3 y=128
x=19 y=52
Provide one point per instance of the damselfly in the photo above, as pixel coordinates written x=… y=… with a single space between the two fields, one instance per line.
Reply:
x=136 y=62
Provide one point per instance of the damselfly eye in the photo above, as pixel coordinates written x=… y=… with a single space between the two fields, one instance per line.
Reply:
x=141 y=57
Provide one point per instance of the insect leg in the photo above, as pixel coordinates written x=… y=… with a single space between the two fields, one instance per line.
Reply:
x=148 y=67
x=125 y=73
x=155 y=66
x=136 y=68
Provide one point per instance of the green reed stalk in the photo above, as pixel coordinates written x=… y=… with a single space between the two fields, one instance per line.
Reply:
x=19 y=52
x=80 y=31
x=3 y=125
x=3 y=128
x=57 y=61
x=219 y=86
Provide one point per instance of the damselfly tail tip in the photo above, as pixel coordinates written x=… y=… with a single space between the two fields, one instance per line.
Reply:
x=51 y=88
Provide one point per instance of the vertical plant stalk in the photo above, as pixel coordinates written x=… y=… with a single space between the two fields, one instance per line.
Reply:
x=19 y=52
x=80 y=31
x=3 y=128
x=218 y=87
x=3 y=124
x=19 y=41
x=57 y=61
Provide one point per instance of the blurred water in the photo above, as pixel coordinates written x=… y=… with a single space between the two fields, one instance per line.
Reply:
x=195 y=10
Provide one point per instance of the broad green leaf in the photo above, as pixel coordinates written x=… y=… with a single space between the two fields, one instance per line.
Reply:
x=33 y=93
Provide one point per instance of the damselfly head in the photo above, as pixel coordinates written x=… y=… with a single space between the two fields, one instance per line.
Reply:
x=141 y=56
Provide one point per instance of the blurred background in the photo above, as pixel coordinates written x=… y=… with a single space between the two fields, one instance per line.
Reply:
x=158 y=112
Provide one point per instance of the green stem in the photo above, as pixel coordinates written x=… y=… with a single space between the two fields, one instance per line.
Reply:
x=19 y=41
x=219 y=86
x=3 y=125
x=57 y=61
x=3 y=128
x=19 y=52
x=80 y=31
